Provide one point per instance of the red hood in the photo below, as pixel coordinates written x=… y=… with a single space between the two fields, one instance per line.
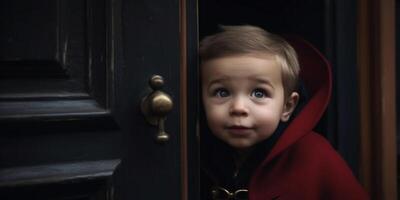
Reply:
x=316 y=75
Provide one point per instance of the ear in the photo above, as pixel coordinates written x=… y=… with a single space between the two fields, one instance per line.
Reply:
x=290 y=105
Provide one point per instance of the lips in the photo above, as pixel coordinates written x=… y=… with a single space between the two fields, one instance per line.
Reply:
x=239 y=131
x=238 y=127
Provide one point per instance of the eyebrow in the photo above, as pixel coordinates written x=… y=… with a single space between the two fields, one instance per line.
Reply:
x=262 y=80
x=218 y=80
x=255 y=78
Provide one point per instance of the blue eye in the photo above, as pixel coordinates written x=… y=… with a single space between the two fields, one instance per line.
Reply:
x=259 y=93
x=221 y=92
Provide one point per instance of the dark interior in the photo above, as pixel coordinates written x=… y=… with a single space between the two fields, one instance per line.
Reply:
x=304 y=18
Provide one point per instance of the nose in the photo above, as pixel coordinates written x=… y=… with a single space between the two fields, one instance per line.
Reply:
x=238 y=107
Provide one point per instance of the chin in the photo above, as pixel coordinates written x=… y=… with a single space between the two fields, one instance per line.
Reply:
x=240 y=145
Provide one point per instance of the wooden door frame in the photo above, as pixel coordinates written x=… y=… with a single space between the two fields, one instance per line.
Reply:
x=377 y=82
x=189 y=98
x=183 y=97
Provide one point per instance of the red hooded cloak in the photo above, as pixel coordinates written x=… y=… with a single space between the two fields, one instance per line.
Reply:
x=302 y=164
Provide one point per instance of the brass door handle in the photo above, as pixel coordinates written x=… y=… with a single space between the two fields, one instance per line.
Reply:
x=156 y=105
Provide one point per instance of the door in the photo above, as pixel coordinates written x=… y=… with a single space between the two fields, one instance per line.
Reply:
x=73 y=74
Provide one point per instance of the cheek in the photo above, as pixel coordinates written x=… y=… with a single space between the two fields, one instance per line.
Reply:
x=215 y=117
x=213 y=113
x=267 y=117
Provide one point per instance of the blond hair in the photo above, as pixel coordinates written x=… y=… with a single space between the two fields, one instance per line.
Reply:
x=246 y=39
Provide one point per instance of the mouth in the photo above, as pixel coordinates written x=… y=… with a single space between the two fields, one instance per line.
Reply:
x=239 y=131
x=238 y=127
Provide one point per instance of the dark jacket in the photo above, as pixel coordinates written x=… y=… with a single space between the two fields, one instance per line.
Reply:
x=296 y=163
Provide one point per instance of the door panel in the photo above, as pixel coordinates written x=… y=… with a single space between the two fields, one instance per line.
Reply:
x=72 y=77
x=54 y=49
x=55 y=81
x=59 y=138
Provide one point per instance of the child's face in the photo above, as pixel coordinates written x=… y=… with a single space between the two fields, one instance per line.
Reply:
x=244 y=99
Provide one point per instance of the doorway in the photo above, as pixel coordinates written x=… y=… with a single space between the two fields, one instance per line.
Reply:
x=331 y=27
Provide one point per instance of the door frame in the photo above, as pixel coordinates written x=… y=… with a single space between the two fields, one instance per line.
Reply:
x=189 y=98
x=377 y=102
